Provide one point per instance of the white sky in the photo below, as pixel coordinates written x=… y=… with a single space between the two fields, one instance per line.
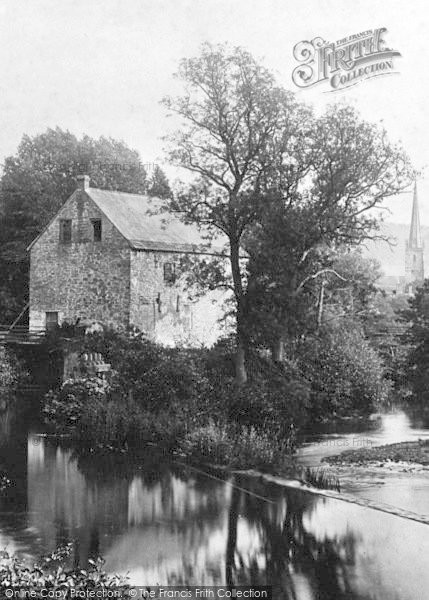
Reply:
x=101 y=66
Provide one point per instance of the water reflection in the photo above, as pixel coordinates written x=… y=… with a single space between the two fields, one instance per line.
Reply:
x=388 y=428
x=167 y=523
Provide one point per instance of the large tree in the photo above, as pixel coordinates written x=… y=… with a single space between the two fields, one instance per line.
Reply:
x=416 y=337
x=38 y=179
x=354 y=169
x=262 y=162
x=238 y=129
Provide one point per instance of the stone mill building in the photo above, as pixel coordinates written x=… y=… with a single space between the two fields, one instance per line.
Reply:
x=110 y=258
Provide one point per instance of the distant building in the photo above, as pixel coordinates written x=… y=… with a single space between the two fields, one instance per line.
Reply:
x=392 y=284
x=110 y=258
x=414 y=263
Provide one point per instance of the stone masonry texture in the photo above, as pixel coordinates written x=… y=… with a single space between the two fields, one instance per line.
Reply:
x=109 y=282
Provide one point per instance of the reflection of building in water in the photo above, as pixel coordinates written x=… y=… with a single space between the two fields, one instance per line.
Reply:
x=134 y=525
x=171 y=526
x=62 y=505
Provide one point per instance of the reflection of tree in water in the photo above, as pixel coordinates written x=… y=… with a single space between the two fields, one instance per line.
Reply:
x=95 y=500
x=288 y=550
x=286 y=555
x=13 y=451
x=7 y=417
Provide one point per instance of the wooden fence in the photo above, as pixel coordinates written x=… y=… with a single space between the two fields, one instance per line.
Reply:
x=20 y=334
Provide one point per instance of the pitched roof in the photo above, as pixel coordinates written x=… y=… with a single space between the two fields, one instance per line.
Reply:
x=137 y=218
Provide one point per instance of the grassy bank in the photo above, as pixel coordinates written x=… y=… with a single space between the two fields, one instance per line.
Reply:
x=412 y=452
x=187 y=401
x=183 y=400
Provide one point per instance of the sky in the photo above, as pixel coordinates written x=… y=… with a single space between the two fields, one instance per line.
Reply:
x=101 y=67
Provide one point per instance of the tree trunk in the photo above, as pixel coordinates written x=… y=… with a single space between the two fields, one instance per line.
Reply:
x=321 y=300
x=240 y=356
x=240 y=364
x=277 y=351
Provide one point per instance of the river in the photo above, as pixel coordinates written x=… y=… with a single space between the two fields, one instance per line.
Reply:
x=162 y=522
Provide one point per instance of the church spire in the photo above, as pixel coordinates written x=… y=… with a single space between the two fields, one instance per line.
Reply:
x=414 y=259
x=415 y=239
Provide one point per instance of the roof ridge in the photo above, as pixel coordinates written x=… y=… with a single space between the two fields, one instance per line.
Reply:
x=119 y=192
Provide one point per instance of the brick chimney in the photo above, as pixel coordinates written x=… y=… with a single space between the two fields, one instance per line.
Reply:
x=83 y=182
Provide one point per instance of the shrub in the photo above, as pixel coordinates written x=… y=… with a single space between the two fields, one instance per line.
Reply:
x=321 y=479
x=158 y=379
x=118 y=424
x=10 y=370
x=51 y=574
x=274 y=399
x=64 y=408
x=211 y=442
x=345 y=372
x=244 y=447
x=98 y=418
x=161 y=395
x=271 y=404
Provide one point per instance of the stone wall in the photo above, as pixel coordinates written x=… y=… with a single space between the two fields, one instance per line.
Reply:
x=84 y=278
x=169 y=312
x=108 y=283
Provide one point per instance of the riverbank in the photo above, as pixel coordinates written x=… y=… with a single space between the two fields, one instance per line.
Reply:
x=413 y=453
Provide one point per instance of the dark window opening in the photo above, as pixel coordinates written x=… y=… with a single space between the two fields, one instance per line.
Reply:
x=169 y=273
x=96 y=224
x=65 y=231
x=178 y=304
x=51 y=320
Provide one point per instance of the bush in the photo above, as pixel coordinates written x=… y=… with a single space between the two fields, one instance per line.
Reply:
x=51 y=574
x=64 y=408
x=162 y=395
x=273 y=401
x=10 y=370
x=243 y=448
x=98 y=418
x=121 y=425
x=158 y=379
x=345 y=372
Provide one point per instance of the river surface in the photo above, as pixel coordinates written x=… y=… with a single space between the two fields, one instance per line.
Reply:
x=392 y=484
x=163 y=522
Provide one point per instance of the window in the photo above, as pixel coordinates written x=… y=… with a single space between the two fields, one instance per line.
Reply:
x=51 y=320
x=169 y=273
x=96 y=224
x=159 y=302
x=65 y=231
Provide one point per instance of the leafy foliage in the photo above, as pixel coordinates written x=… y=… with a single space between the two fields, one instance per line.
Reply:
x=242 y=448
x=161 y=395
x=52 y=575
x=158 y=185
x=345 y=373
x=277 y=180
x=38 y=179
x=417 y=338
x=237 y=126
x=65 y=408
x=11 y=370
